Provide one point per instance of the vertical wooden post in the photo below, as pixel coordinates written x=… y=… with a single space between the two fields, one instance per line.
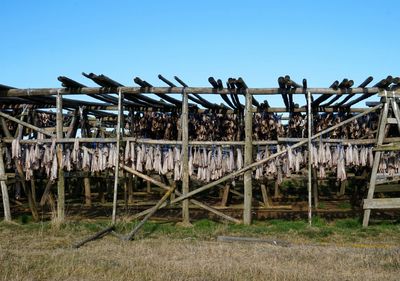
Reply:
x=266 y=199
x=342 y=190
x=116 y=173
x=225 y=194
x=88 y=195
x=315 y=187
x=377 y=159
x=185 y=155
x=248 y=159
x=130 y=188
x=4 y=191
x=60 y=181
x=310 y=155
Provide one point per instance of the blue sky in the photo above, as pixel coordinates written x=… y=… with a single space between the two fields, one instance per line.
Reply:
x=322 y=41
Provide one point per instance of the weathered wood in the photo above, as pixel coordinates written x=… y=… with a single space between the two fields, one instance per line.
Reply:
x=185 y=156
x=88 y=195
x=27 y=190
x=4 y=190
x=276 y=190
x=178 y=90
x=377 y=158
x=95 y=236
x=310 y=155
x=253 y=240
x=60 y=179
x=46 y=192
x=117 y=165
x=343 y=185
x=225 y=195
x=151 y=212
x=163 y=186
x=315 y=187
x=382 y=203
x=248 y=159
x=387 y=188
x=387 y=147
x=267 y=200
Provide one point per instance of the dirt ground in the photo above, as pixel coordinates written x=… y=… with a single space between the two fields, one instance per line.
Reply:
x=35 y=253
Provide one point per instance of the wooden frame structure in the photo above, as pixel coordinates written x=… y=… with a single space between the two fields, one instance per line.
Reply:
x=135 y=98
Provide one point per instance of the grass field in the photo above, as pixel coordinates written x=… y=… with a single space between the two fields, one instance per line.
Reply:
x=339 y=250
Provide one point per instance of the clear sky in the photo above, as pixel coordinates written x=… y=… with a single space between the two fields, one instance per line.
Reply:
x=322 y=41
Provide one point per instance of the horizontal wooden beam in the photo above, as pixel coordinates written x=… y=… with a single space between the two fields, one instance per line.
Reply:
x=177 y=90
x=387 y=188
x=382 y=203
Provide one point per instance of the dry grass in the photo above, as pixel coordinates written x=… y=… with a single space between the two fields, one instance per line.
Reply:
x=42 y=252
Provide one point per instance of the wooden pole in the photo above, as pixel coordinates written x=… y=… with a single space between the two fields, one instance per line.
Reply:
x=88 y=195
x=4 y=191
x=185 y=156
x=248 y=159
x=310 y=155
x=116 y=173
x=60 y=180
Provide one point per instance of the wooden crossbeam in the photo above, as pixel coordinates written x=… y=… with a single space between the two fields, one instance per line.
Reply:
x=382 y=203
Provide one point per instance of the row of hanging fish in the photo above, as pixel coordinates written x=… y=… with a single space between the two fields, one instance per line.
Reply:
x=205 y=163
x=208 y=126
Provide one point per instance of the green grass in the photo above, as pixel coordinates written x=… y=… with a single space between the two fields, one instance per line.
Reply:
x=341 y=230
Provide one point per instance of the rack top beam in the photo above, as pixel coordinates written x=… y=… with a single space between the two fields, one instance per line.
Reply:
x=178 y=90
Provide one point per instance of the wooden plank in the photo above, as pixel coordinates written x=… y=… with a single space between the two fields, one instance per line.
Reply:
x=248 y=159
x=389 y=147
x=382 y=203
x=253 y=240
x=387 y=188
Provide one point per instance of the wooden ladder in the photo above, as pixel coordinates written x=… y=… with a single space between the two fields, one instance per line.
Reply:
x=376 y=185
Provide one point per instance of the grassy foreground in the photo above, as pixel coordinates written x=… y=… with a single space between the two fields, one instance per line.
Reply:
x=339 y=250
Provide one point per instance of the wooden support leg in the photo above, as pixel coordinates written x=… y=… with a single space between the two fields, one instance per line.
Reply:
x=33 y=190
x=248 y=159
x=225 y=195
x=4 y=190
x=277 y=193
x=88 y=195
x=31 y=202
x=101 y=186
x=342 y=190
x=315 y=187
x=130 y=189
x=267 y=199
